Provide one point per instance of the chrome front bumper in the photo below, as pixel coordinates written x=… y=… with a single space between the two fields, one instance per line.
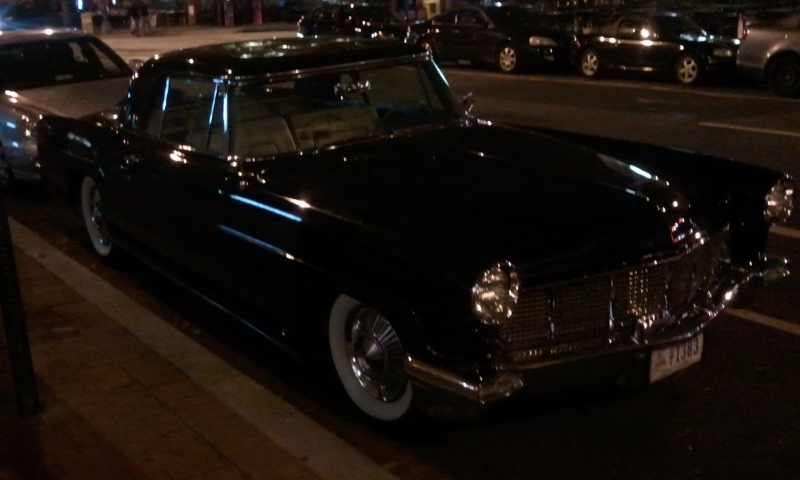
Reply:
x=523 y=370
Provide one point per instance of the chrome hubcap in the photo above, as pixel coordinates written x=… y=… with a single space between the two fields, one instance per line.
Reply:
x=376 y=355
x=508 y=58
x=589 y=64
x=96 y=216
x=687 y=71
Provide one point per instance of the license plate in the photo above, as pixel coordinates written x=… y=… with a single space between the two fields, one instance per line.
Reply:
x=668 y=360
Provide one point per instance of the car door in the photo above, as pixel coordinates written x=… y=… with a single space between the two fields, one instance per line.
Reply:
x=175 y=171
x=445 y=35
x=478 y=39
x=633 y=42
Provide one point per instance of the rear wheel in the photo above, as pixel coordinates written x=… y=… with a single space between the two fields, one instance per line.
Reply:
x=507 y=59
x=590 y=63
x=369 y=359
x=783 y=76
x=688 y=70
x=92 y=210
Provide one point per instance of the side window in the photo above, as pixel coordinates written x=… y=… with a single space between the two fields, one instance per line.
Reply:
x=187 y=111
x=449 y=17
x=630 y=28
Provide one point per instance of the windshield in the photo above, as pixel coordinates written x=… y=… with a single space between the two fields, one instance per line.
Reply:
x=676 y=27
x=53 y=62
x=377 y=14
x=320 y=110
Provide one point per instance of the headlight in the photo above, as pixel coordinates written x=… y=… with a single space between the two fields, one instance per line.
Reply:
x=723 y=52
x=542 y=42
x=780 y=200
x=495 y=293
x=27 y=125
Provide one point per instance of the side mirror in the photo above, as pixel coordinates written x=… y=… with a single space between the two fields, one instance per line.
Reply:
x=467 y=102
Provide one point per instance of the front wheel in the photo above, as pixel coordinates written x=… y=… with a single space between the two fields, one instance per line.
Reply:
x=92 y=209
x=590 y=63
x=783 y=76
x=507 y=58
x=687 y=70
x=369 y=359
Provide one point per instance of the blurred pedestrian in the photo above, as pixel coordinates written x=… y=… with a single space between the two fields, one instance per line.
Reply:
x=139 y=16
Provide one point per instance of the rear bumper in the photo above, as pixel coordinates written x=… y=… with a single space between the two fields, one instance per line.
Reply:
x=625 y=360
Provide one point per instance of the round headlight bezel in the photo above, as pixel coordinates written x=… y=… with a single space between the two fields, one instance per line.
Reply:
x=495 y=293
x=779 y=202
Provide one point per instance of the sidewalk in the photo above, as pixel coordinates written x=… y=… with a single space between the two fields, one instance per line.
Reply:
x=127 y=397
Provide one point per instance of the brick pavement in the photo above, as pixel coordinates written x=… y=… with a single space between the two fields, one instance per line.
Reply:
x=127 y=397
x=115 y=409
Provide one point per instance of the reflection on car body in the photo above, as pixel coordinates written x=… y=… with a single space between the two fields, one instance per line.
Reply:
x=334 y=195
x=665 y=42
x=50 y=71
x=360 y=20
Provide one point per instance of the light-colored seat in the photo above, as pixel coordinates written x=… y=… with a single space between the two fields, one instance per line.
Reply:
x=320 y=128
x=261 y=137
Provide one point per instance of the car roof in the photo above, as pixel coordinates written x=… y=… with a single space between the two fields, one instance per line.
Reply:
x=239 y=60
x=8 y=37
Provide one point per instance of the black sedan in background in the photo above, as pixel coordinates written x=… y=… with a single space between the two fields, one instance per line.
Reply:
x=354 y=20
x=508 y=36
x=659 y=42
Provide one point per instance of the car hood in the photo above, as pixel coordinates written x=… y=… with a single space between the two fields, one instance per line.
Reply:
x=73 y=99
x=494 y=193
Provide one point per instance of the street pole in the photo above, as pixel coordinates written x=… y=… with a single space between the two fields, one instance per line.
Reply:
x=13 y=316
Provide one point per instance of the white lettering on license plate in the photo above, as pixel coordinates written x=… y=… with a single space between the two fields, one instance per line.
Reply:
x=668 y=360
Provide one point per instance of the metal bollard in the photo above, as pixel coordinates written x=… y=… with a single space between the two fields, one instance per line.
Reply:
x=13 y=317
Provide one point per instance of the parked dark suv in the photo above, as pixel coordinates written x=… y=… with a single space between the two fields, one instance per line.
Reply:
x=355 y=20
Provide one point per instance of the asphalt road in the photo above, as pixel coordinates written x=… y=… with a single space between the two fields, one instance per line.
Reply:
x=732 y=416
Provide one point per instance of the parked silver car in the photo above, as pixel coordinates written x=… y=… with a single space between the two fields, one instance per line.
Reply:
x=771 y=51
x=63 y=72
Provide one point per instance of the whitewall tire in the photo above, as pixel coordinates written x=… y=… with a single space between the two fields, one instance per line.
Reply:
x=369 y=359
x=92 y=210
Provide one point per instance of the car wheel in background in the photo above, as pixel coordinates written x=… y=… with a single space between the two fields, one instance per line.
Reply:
x=92 y=210
x=507 y=58
x=369 y=359
x=687 y=70
x=590 y=63
x=783 y=76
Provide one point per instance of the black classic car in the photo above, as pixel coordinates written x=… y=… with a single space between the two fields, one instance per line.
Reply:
x=658 y=42
x=335 y=195
x=510 y=37
x=360 y=20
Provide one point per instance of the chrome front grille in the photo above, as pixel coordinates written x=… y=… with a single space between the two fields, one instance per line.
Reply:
x=610 y=304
